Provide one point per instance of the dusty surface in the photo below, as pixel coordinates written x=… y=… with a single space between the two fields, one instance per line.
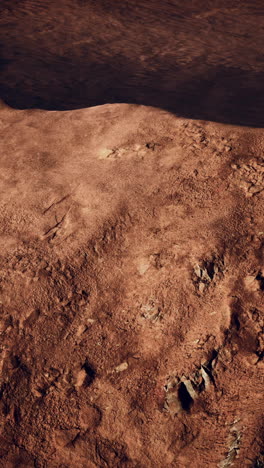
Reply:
x=131 y=290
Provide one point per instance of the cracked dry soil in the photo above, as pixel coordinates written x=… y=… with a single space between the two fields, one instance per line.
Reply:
x=132 y=283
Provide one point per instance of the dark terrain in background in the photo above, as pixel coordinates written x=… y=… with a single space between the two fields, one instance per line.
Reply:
x=197 y=59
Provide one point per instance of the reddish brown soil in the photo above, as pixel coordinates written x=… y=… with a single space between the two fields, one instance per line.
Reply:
x=131 y=290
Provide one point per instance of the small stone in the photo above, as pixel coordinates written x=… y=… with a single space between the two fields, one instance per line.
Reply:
x=80 y=330
x=189 y=387
x=255 y=189
x=122 y=367
x=206 y=378
x=104 y=153
x=36 y=393
x=251 y=283
x=89 y=320
x=64 y=437
x=80 y=378
x=143 y=266
x=198 y=271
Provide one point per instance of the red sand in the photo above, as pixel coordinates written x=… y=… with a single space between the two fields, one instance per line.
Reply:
x=131 y=290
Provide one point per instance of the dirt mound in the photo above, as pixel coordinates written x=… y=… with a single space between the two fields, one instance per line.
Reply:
x=131 y=290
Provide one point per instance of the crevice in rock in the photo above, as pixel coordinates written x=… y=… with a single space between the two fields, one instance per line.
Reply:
x=185 y=397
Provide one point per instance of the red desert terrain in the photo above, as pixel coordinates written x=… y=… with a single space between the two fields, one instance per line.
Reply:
x=132 y=267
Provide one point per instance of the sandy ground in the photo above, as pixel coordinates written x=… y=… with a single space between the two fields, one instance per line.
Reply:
x=132 y=287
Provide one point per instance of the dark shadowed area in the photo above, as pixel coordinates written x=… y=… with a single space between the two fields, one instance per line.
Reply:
x=198 y=59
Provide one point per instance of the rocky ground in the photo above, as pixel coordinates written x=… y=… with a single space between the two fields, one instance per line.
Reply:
x=132 y=282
